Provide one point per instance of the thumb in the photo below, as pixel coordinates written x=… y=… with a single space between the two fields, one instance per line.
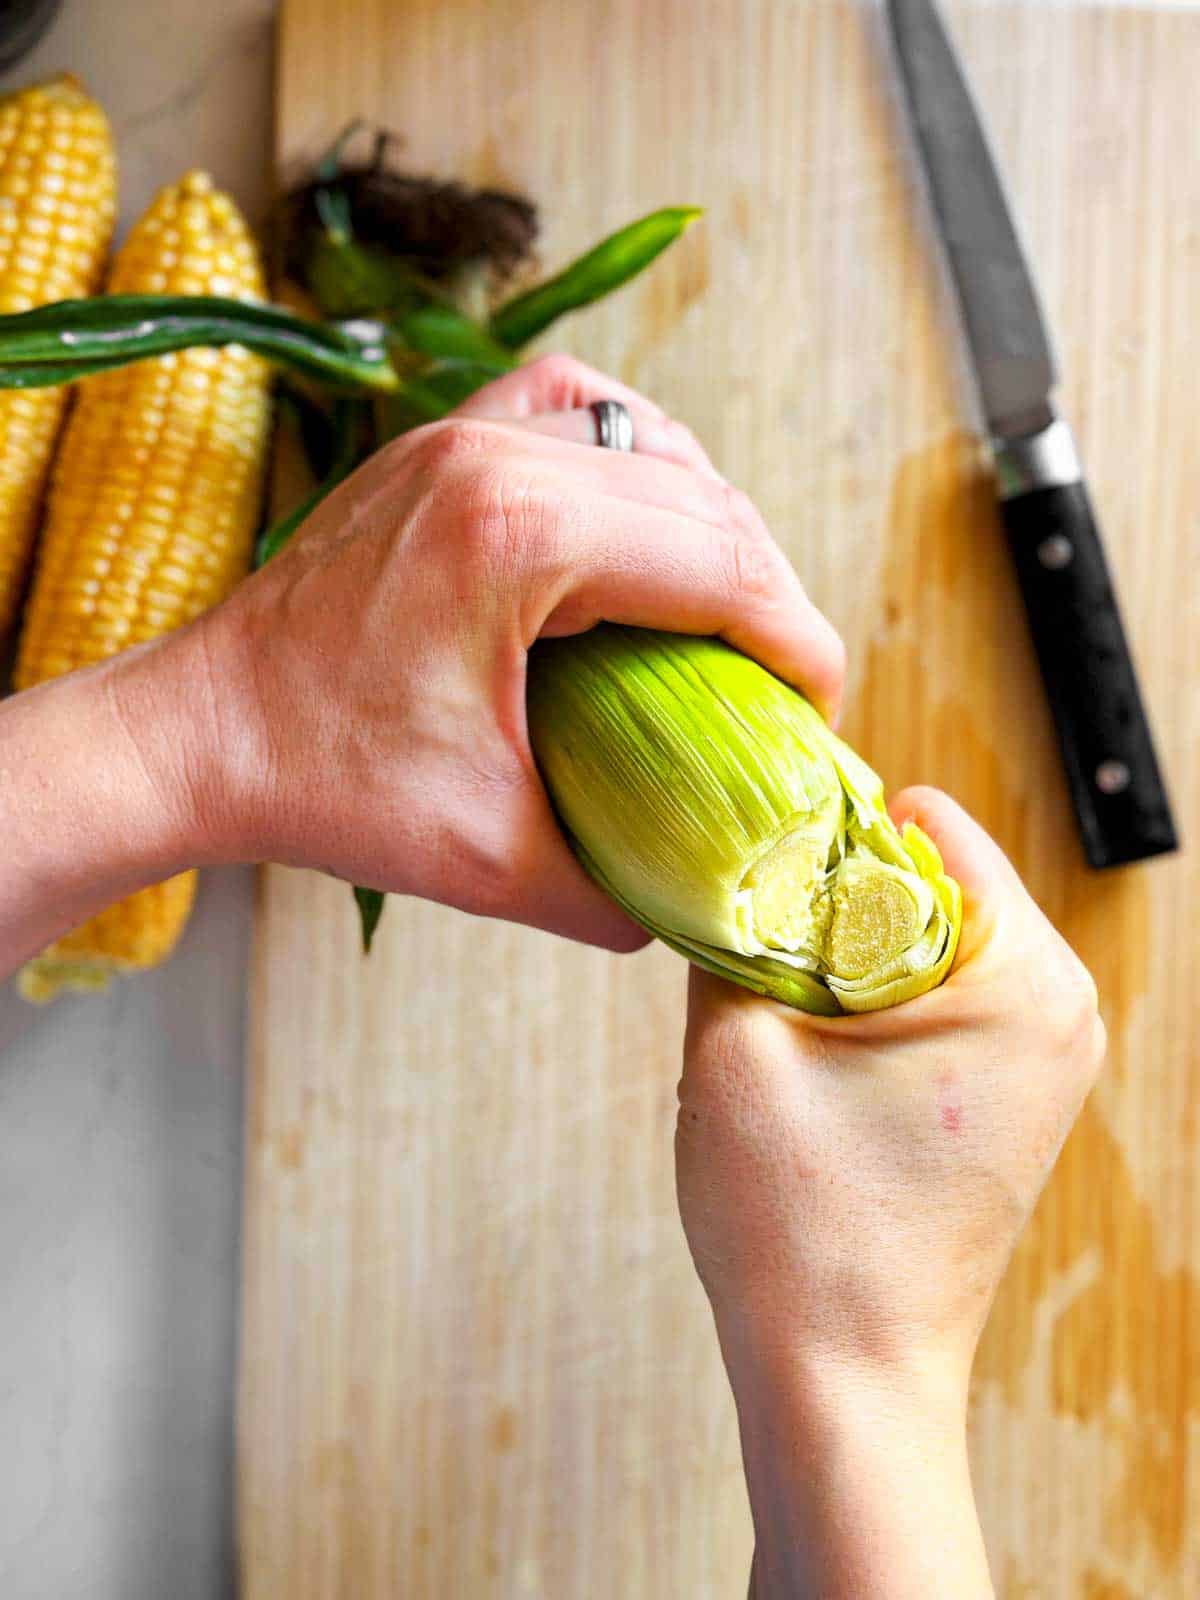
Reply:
x=968 y=853
x=994 y=898
x=546 y=887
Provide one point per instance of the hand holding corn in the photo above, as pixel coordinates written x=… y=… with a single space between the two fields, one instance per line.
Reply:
x=358 y=705
x=851 y=1191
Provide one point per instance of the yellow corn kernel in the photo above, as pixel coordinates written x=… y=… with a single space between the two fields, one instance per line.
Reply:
x=135 y=933
x=154 y=502
x=57 y=198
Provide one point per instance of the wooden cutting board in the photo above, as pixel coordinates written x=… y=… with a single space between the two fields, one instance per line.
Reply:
x=475 y=1360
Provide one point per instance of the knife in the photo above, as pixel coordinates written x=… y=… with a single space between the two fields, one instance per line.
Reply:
x=1107 y=748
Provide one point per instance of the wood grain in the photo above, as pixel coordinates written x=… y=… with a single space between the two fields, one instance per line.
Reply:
x=475 y=1360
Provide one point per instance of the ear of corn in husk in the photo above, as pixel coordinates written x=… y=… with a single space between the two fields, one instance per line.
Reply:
x=153 y=509
x=57 y=201
x=718 y=809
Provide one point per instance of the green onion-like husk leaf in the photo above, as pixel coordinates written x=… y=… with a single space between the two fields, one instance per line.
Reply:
x=73 y=339
x=605 y=267
x=429 y=395
x=681 y=769
x=444 y=333
x=370 y=903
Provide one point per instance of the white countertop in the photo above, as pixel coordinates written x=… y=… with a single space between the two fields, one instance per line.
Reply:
x=120 y=1116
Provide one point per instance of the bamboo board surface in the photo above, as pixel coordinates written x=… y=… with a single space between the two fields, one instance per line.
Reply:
x=475 y=1359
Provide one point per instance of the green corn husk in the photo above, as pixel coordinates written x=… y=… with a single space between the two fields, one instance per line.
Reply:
x=714 y=804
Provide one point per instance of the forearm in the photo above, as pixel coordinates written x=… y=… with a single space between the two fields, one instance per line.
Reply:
x=858 y=1488
x=96 y=798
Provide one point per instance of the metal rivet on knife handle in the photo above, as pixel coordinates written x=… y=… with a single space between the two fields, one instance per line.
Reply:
x=1113 y=777
x=1056 y=552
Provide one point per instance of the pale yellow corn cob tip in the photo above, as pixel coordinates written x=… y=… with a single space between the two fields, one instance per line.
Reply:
x=57 y=201
x=153 y=508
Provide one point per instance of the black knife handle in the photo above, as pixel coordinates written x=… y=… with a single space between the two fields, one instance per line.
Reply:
x=1116 y=785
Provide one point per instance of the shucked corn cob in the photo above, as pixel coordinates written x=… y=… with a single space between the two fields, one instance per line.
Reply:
x=153 y=507
x=57 y=198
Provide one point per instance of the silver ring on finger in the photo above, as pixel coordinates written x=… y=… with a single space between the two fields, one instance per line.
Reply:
x=614 y=425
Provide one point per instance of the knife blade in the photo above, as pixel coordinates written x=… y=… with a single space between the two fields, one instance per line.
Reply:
x=1116 y=783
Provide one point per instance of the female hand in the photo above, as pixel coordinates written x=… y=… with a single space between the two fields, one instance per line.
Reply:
x=851 y=1191
x=359 y=705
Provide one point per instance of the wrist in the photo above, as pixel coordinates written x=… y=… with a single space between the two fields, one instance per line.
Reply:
x=913 y=1381
x=152 y=700
x=203 y=739
x=250 y=795
x=95 y=799
x=858 y=1476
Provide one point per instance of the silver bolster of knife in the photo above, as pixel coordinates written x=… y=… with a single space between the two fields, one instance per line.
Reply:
x=1045 y=460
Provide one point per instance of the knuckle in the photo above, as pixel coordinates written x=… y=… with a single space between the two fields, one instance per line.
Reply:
x=398 y=452
x=741 y=514
x=1097 y=1045
x=490 y=889
x=838 y=659
x=757 y=568
x=1073 y=1005
x=513 y=522
x=1084 y=1001
x=756 y=572
x=556 y=372
x=502 y=517
x=454 y=444
x=682 y=436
